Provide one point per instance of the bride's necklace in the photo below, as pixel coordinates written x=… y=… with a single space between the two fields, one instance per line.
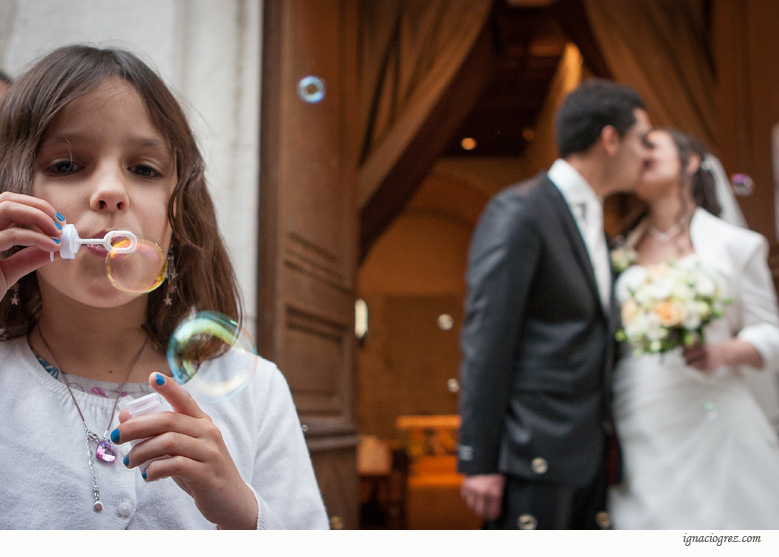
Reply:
x=668 y=235
x=104 y=450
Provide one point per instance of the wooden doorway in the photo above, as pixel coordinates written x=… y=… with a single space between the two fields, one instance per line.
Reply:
x=308 y=229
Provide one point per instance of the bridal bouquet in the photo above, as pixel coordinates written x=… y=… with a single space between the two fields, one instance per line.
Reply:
x=668 y=307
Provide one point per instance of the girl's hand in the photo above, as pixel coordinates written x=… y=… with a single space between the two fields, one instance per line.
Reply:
x=26 y=221
x=190 y=450
x=734 y=352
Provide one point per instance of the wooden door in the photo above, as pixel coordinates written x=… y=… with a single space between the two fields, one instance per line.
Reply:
x=308 y=229
x=746 y=54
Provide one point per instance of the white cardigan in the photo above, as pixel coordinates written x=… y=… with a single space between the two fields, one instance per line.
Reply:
x=739 y=257
x=47 y=484
x=742 y=255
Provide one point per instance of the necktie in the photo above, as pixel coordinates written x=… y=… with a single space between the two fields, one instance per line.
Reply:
x=595 y=239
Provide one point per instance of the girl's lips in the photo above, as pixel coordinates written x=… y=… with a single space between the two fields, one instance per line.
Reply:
x=96 y=250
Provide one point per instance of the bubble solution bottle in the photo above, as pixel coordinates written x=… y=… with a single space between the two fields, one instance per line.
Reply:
x=148 y=404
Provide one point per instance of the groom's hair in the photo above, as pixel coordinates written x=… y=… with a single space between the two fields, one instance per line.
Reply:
x=593 y=105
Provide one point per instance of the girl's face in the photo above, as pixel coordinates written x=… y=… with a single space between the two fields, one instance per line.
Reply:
x=663 y=174
x=104 y=166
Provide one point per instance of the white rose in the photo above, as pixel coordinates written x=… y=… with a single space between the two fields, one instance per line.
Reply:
x=632 y=281
x=705 y=286
x=660 y=289
x=689 y=263
x=654 y=330
x=691 y=319
x=682 y=291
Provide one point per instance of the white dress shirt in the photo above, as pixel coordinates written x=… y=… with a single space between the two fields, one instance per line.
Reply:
x=587 y=209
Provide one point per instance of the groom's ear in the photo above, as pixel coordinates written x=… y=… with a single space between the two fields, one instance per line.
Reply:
x=609 y=140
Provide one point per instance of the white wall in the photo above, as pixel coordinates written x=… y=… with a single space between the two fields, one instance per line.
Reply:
x=208 y=51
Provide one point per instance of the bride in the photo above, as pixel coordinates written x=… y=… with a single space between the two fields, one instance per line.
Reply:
x=698 y=450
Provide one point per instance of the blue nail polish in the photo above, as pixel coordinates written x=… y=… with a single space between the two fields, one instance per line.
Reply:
x=126 y=460
x=115 y=435
x=58 y=225
x=160 y=379
x=143 y=474
x=56 y=241
x=60 y=217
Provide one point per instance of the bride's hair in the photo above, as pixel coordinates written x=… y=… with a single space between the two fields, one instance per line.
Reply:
x=702 y=180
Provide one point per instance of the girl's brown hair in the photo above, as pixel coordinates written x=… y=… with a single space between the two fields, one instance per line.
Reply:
x=205 y=279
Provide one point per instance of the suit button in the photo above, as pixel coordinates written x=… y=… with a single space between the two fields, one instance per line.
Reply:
x=527 y=522
x=539 y=465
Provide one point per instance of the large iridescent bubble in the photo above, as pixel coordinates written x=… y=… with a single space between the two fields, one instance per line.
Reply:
x=213 y=354
x=139 y=271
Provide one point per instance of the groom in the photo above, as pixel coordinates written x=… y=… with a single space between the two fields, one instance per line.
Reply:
x=537 y=342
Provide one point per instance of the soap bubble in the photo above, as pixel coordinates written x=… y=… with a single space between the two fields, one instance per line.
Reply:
x=138 y=271
x=212 y=353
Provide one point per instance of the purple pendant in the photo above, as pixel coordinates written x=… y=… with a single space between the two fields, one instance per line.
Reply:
x=105 y=451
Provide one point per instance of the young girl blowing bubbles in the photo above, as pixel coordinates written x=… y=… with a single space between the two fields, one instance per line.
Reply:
x=93 y=137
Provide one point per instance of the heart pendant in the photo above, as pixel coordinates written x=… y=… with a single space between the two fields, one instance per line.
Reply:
x=105 y=451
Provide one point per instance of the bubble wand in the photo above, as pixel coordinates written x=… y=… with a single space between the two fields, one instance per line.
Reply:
x=71 y=242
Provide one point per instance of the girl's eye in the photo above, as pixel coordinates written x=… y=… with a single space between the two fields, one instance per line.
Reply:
x=145 y=171
x=63 y=168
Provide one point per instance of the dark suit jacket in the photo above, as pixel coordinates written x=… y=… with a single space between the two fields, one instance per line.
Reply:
x=537 y=344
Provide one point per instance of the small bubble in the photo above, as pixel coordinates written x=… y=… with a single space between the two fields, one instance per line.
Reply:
x=311 y=89
x=445 y=322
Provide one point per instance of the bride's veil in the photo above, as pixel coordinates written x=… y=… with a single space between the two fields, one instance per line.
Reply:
x=731 y=211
